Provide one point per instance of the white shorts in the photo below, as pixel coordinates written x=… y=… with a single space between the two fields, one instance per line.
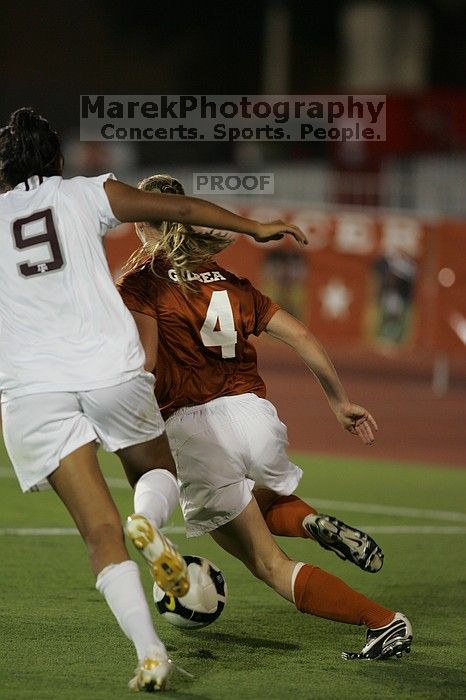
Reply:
x=222 y=449
x=41 y=429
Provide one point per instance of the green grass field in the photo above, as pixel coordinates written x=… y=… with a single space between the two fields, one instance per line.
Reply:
x=60 y=641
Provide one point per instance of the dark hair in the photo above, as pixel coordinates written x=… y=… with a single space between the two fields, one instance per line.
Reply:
x=28 y=146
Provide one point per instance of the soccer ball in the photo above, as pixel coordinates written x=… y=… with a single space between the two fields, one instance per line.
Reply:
x=203 y=603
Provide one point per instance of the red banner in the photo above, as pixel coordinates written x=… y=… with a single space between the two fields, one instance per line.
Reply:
x=380 y=279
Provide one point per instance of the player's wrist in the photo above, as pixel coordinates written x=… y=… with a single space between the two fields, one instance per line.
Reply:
x=256 y=230
x=339 y=404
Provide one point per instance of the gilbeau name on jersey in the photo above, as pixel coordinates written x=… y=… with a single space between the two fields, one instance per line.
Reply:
x=206 y=277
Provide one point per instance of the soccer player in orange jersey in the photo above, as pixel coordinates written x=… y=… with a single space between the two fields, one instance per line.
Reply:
x=194 y=318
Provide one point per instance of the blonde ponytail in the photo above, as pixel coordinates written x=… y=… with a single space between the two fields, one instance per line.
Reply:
x=183 y=247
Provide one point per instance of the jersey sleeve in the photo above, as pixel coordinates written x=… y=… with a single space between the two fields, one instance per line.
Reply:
x=138 y=293
x=264 y=309
x=96 y=192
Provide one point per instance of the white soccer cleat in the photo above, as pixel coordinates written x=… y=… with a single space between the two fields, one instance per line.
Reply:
x=152 y=673
x=167 y=566
x=384 y=642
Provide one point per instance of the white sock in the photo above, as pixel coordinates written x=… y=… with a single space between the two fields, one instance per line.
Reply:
x=296 y=571
x=156 y=496
x=121 y=587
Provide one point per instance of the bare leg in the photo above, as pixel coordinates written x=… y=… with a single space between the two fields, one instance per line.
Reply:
x=248 y=539
x=139 y=459
x=315 y=591
x=79 y=483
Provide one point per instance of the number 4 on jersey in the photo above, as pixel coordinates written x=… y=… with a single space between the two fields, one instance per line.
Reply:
x=218 y=329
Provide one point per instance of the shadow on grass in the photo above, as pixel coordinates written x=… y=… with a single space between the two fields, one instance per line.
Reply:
x=240 y=640
x=413 y=676
x=179 y=695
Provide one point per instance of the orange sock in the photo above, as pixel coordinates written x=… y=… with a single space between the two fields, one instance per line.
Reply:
x=285 y=516
x=318 y=593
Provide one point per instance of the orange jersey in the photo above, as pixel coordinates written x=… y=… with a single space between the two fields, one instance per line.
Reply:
x=203 y=348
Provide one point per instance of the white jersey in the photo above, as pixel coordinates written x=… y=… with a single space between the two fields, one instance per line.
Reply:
x=63 y=325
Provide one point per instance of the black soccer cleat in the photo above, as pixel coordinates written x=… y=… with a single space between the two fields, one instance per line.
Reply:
x=347 y=543
x=384 y=642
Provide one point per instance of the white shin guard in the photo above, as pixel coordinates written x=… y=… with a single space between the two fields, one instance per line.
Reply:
x=156 y=496
x=121 y=587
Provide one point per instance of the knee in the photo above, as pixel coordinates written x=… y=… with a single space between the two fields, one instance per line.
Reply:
x=268 y=569
x=102 y=533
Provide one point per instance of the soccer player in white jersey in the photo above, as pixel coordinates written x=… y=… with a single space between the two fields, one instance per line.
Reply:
x=72 y=366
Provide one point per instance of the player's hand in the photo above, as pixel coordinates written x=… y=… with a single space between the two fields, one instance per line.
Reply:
x=356 y=420
x=275 y=230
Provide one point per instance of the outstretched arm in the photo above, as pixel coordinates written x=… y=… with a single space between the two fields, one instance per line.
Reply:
x=352 y=417
x=131 y=204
